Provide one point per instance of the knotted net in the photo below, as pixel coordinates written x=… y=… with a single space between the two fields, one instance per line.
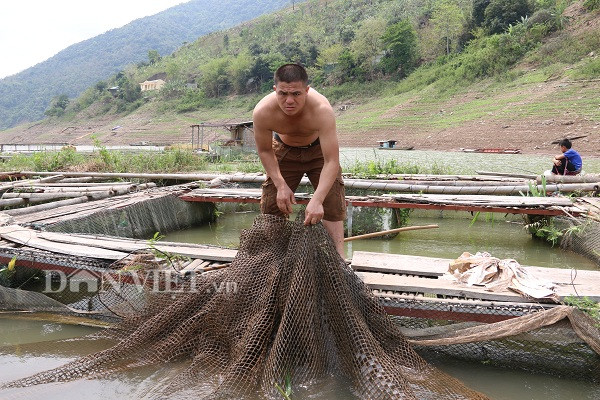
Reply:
x=288 y=308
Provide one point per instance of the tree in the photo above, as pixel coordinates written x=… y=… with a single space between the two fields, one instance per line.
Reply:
x=101 y=86
x=499 y=14
x=448 y=21
x=226 y=41
x=367 y=45
x=215 y=80
x=153 y=57
x=57 y=106
x=128 y=91
x=400 y=43
x=478 y=13
x=239 y=69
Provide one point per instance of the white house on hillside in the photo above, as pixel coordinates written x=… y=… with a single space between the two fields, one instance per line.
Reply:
x=155 y=82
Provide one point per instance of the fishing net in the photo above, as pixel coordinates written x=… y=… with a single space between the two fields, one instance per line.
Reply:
x=287 y=309
x=141 y=219
x=583 y=237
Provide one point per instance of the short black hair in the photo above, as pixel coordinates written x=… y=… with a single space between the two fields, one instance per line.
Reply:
x=291 y=73
x=566 y=143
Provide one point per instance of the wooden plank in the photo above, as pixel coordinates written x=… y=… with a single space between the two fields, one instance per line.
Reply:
x=210 y=253
x=487 y=200
x=442 y=287
x=586 y=283
x=195 y=265
x=399 y=264
x=29 y=237
x=568 y=281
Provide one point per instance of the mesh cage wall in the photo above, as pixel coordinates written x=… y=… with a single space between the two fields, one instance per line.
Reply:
x=140 y=220
x=584 y=237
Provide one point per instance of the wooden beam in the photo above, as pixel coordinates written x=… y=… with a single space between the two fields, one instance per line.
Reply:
x=399 y=264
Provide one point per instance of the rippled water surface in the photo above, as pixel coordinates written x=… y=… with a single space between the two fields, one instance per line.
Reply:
x=500 y=238
x=28 y=346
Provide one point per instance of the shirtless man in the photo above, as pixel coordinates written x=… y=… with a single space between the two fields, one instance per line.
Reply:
x=294 y=128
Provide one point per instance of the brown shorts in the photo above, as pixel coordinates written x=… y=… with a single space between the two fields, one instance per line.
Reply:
x=294 y=162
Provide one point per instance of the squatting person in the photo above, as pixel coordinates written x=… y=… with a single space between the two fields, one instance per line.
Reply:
x=567 y=163
x=295 y=132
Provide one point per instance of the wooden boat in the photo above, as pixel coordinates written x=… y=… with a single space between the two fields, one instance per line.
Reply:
x=391 y=145
x=491 y=150
x=396 y=148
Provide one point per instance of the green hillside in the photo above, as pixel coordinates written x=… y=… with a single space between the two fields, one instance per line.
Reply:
x=438 y=74
x=26 y=95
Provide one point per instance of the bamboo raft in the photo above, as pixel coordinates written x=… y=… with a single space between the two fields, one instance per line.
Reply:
x=501 y=204
x=406 y=284
x=399 y=280
x=499 y=184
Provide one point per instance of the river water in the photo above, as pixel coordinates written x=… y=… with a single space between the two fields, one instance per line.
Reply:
x=462 y=163
x=29 y=346
x=455 y=235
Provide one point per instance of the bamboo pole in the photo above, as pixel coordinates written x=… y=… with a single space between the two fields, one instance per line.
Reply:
x=483 y=190
x=587 y=178
x=84 y=189
x=382 y=233
x=461 y=183
x=82 y=184
x=95 y=195
x=508 y=174
x=83 y=179
x=37 y=197
x=47 y=206
x=349 y=183
x=28 y=182
x=12 y=202
x=130 y=175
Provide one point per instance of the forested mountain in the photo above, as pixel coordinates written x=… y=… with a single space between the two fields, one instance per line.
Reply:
x=345 y=43
x=25 y=96
x=429 y=71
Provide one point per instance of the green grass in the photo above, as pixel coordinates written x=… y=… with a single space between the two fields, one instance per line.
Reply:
x=378 y=166
x=103 y=160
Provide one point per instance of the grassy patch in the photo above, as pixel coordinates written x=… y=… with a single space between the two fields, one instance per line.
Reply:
x=588 y=69
x=378 y=166
x=103 y=160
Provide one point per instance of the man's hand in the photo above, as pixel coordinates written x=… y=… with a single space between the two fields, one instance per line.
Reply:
x=285 y=199
x=557 y=162
x=314 y=212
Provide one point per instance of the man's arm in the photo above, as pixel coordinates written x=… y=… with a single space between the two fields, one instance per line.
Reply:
x=264 y=139
x=331 y=156
x=558 y=159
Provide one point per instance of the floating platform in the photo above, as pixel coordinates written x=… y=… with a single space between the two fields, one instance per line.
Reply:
x=408 y=285
x=394 y=277
x=473 y=203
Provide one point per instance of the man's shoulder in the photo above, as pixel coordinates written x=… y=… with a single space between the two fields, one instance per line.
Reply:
x=320 y=105
x=264 y=107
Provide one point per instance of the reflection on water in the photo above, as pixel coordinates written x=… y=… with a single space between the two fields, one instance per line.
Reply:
x=20 y=357
x=500 y=238
x=504 y=384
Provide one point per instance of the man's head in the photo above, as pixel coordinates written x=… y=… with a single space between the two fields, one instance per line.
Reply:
x=565 y=145
x=291 y=73
x=291 y=88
